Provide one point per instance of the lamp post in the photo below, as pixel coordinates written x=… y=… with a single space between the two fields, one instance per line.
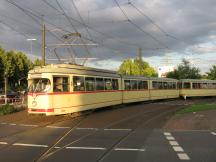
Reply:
x=31 y=39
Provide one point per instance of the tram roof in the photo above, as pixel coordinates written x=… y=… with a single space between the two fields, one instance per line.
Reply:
x=198 y=80
x=73 y=69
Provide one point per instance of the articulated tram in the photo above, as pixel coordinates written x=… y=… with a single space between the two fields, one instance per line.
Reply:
x=63 y=88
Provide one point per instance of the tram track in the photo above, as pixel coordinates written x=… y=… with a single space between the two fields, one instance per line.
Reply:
x=53 y=149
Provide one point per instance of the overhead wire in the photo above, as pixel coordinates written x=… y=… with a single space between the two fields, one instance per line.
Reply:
x=154 y=23
x=138 y=27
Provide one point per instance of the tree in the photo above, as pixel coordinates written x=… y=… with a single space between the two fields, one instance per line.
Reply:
x=136 y=67
x=185 y=71
x=212 y=73
x=15 y=65
x=38 y=62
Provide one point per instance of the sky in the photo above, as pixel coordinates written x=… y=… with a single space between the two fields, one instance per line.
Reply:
x=112 y=30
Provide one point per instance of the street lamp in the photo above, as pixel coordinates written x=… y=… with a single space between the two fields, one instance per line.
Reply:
x=31 y=39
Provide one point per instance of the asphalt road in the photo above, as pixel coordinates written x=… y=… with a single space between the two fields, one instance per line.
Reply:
x=130 y=133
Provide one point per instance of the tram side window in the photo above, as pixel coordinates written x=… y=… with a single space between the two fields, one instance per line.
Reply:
x=186 y=85
x=140 y=84
x=60 y=84
x=99 y=84
x=196 y=85
x=90 y=83
x=165 y=85
x=127 y=84
x=133 y=84
x=78 y=83
x=180 y=85
x=160 y=85
x=145 y=84
x=108 y=84
x=155 y=85
x=174 y=85
x=169 y=85
x=115 y=84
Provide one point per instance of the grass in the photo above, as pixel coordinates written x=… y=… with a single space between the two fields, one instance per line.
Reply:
x=198 y=107
x=7 y=109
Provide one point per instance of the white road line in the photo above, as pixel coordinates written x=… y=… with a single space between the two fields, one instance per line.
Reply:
x=3 y=143
x=57 y=127
x=28 y=125
x=12 y=124
x=128 y=149
x=87 y=128
x=170 y=138
x=117 y=129
x=178 y=149
x=167 y=134
x=87 y=148
x=183 y=156
x=56 y=147
x=173 y=143
x=213 y=133
x=4 y=123
x=29 y=145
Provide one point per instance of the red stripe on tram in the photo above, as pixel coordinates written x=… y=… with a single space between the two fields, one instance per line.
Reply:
x=40 y=110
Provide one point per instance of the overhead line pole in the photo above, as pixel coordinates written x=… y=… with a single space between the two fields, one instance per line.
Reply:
x=43 y=47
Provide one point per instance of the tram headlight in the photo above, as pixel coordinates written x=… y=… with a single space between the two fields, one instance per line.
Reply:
x=34 y=103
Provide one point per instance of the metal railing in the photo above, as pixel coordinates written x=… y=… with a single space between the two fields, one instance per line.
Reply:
x=13 y=101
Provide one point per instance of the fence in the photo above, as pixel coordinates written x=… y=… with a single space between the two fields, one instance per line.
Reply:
x=13 y=101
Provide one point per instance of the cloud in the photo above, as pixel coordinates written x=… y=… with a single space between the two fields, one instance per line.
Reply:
x=182 y=26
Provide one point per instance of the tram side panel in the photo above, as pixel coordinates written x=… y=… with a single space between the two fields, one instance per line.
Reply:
x=135 y=90
x=88 y=95
x=195 y=88
x=163 y=90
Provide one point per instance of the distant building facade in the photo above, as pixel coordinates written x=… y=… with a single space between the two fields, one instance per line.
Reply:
x=162 y=71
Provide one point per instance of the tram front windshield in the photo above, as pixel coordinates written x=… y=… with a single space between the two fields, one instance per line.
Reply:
x=39 y=85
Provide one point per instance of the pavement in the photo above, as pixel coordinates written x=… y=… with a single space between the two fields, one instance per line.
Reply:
x=130 y=133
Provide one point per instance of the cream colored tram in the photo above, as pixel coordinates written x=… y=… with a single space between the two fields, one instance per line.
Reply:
x=196 y=87
x=72 y=88
x=163 y=88
x=142 y=88
x=135 y=89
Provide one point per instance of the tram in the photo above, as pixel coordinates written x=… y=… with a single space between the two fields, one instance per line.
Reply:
x=64 y=88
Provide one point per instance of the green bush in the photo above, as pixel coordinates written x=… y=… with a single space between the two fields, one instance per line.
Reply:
x=7 y=109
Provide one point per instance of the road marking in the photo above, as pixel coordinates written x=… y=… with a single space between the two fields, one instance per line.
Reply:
x=29 y=145
x=110 y=129
x=57 y=127
x=87 y=148
x=170 y=138
x=28 y=125
x=178 y=148
x=87 y=128
x=4 y=123
x=3 y=143
x=183 y=156
x=56 y=147
x=173 y=143
x=12 y=124
x=167 y=134
x=128 y=149
x=213 y=133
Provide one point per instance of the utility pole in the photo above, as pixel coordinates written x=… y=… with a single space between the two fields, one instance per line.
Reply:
x=140 y=60
x=43 y=50
x=6 y=82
